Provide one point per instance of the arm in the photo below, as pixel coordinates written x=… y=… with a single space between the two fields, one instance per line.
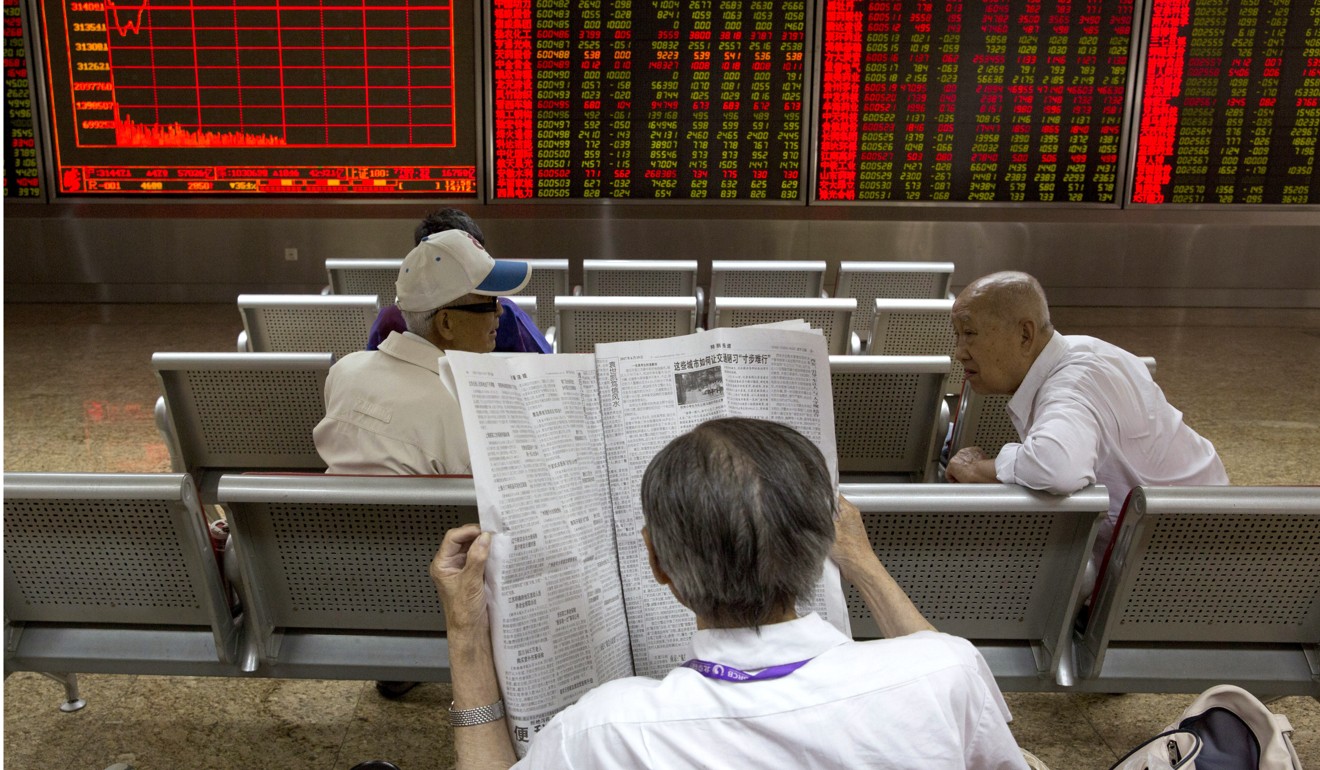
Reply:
x=971 y=466
x=893 y=611
x=458 y=571
x=1059 y=454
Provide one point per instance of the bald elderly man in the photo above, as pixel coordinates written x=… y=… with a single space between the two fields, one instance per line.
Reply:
x=1087 y=412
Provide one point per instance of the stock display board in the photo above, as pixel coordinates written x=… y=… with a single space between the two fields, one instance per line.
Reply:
x=340 y=97
x=947 y=100
x=1230 y=111
x=652 y=99
x=22 y=172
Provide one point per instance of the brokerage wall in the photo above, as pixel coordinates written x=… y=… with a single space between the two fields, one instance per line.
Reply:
x=181 y=252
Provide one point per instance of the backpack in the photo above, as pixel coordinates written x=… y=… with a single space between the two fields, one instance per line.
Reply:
x=1225 y=728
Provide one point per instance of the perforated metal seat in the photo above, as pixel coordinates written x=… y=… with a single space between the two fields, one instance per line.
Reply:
x=832 y=316
x=585 y=322
x=549 y=280
x=1209 y=585
x=375 y=277
x=889 y=415
x=240 y=411
x=305 y=323
x=113 y=573
x=915 y=327
x=766 y=278
x=868 y=281
x=335 y=570
x=997 y=564
x=639 y=277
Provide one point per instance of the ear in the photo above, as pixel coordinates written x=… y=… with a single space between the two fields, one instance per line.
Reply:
x=661 y=576
x=442 y=325
x=1027 y=331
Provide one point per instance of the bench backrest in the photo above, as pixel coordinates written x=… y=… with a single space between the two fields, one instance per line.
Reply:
x=886 y=413
x=364 y=276
x=639 y=277
x=868 y=281
x=915 y=327
x=307 y=323
x=242 y=411
x=766 y=278
x=342 y=553
x=984 y=561
x=831 y=316
x=87 y=551
x=585 y=322
x=1195 y=566
x=549 y=280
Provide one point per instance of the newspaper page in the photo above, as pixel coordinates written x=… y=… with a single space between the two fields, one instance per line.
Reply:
x=557 y=621
x=655 y=390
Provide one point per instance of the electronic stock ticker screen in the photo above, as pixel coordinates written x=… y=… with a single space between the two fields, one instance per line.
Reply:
x=957 y=100
x=1230 y=112
x=651 y=99
x=337 y=97
x=22 y=172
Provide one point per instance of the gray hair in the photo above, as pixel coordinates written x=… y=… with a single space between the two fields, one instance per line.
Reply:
x=1011 y=296
x=419 y=321
x=740 y=514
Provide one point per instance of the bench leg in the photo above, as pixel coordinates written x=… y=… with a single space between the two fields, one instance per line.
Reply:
x=72 y=702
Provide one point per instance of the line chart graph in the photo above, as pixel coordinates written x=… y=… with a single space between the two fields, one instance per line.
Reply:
x=266 y=73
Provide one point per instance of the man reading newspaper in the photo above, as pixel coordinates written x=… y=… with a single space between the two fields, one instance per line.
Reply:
x=740 y=517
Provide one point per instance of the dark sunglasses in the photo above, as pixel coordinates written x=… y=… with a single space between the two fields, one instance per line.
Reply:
x=491 y=306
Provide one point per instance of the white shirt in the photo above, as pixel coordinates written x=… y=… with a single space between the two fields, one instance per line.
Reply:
x=388 y=412
x=1088 y=412
x=926 y=700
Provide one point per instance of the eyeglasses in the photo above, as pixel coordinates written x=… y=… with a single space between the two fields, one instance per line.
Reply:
x=490 y=306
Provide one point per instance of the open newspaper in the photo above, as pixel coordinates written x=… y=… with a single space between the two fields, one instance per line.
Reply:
x=559 y=444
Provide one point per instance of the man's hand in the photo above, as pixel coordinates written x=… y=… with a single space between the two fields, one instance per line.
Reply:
x=894 y=612
x=971 y=466
x=458 y=571
x=852 y=549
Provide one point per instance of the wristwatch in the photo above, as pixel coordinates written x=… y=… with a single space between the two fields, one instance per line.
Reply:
x=477 y=716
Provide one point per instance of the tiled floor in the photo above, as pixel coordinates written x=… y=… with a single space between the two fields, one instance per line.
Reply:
x=79 y=391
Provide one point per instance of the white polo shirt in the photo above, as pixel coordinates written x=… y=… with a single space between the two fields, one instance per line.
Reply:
x=1088 y=412
x=387 y=412
x=926 y=700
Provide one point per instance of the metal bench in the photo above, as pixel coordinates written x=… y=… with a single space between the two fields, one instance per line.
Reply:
x=868 y=281
x=998 y=564
x=114 y=574
x=1205 y=586
x=305 y=323
x=227 y=412
x=915 y=327
x=585 y=322
x=831 y=316
x=334 y=571
x=889 y=416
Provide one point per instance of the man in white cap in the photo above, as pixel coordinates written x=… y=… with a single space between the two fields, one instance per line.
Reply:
x=387 y=410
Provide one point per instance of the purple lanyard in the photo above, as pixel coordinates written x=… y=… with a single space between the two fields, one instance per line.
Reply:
x=731 y=674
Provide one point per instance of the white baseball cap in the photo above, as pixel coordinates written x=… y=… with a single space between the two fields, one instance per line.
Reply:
x=450 y=264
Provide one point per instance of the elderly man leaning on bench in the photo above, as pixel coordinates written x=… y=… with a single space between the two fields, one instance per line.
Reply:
x=1088 y=412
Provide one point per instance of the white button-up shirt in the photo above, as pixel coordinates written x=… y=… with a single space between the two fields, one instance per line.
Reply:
x=1088 y=412
x=926 y=700
x=388 y=412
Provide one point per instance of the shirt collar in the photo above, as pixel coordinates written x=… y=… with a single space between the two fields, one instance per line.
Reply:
x=1019 y=406
x=778 y=643
x=414 y=349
